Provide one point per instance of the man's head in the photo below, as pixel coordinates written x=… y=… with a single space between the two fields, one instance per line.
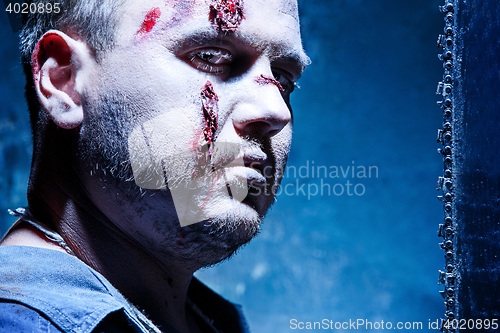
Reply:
x=179 y=91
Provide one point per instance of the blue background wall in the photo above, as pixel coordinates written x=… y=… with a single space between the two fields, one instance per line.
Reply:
x=368 y=99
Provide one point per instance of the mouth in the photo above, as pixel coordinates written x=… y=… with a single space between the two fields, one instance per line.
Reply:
x=255 y=160
x=256 y=163
x=242 y=167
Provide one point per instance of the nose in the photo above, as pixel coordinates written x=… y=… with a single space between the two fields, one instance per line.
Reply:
x=261 y=110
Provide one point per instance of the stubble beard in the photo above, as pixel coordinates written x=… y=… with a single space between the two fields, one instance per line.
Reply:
x=103 y=150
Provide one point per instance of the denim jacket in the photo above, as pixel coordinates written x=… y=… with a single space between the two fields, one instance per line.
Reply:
x=43 y=290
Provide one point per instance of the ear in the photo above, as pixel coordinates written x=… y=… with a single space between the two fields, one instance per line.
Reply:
x=59 y=63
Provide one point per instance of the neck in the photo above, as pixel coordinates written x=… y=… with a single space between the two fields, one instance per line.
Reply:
x=157 y=285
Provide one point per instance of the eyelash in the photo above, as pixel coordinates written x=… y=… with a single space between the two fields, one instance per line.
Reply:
x=202 y=60
x=286 y=83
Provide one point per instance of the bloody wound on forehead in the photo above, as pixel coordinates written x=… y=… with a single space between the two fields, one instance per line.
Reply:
x=226 y=15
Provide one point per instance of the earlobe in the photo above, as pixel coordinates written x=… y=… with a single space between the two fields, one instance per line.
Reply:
x=57 y=63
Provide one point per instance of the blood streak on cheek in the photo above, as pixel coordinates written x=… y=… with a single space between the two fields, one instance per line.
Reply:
x=264 y=79
x=226 y=15
x=150 y=20
x=209 y=100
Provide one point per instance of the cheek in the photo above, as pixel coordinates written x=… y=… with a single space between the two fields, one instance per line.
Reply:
x=162 y=148
x=164 y=106
x=172 y=119
x=281 y=143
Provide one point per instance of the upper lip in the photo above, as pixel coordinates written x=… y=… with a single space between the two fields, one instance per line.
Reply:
x=255 y=159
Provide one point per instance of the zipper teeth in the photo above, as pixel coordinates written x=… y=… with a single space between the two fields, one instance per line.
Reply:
x=446 y=183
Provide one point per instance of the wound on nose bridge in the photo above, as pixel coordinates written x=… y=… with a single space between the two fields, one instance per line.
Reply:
x=264 y=79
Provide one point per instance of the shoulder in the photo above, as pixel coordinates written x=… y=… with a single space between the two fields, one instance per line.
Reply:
x=15 y=317
x=42 y=290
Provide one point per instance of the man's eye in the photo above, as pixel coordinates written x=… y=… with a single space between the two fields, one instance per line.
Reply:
x=287 y=84
x=213 y=60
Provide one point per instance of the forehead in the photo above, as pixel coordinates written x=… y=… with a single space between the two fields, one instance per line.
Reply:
x=272 y=24
x=182 y=9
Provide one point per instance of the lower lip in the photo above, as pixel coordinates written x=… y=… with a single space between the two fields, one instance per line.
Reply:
x=253 y=178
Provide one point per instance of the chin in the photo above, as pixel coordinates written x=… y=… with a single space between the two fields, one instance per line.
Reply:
x=235 y=226
x=211 y=241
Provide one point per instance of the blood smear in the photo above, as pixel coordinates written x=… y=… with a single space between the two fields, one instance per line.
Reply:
x=226 y=14
x=150 y=20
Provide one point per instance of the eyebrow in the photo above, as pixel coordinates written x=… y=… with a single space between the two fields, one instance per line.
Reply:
x=277 y=52
x=297 y=59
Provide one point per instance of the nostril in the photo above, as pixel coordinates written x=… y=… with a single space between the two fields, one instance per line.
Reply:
x=274 y=132
x=255 y=129
x=261 y=129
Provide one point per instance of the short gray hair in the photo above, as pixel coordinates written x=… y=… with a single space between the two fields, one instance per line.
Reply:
x=94 y=21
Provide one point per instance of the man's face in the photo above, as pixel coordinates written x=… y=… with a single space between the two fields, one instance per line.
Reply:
x=191 y=94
